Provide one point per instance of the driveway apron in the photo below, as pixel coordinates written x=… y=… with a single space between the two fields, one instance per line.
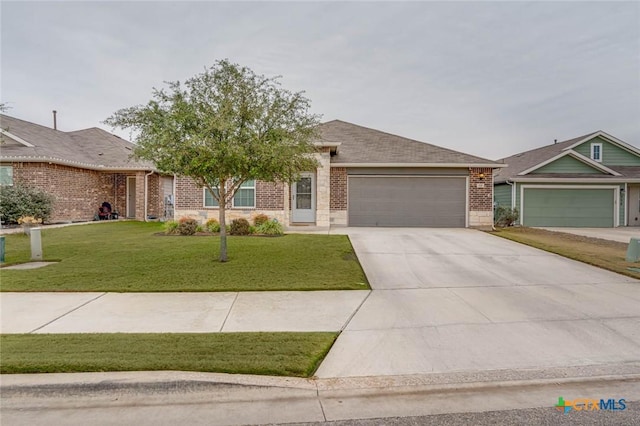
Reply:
x=450 y=300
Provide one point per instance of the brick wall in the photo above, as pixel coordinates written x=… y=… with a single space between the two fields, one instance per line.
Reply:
x=480 y=189
x=269 y=195
x=188 y=194
x=77 y=193
x=155 y=201
x=338 y=188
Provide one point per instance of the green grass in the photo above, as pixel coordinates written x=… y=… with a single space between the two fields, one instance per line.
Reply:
x=128 y=257
x=280 y=354
x=605 y=254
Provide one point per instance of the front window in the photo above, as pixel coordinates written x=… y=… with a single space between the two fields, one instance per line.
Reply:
x=209 y=199
x=6 y=175
x=596 y=152
x=245 y=196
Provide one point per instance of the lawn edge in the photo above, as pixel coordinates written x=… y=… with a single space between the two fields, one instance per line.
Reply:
x=533 y=244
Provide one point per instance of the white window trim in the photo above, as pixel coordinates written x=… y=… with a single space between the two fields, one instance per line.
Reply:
x=599 y=145
x=233 y=203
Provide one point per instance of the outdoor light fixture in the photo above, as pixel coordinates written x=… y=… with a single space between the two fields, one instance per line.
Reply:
x=481 y=175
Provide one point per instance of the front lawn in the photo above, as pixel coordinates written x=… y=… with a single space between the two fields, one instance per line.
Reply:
x=594 y=251
x=276 y=354
x=128 y=257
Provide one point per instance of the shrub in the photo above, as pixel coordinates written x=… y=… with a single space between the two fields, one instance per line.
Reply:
x=187 y=226
x=212 y=225
x=505 y=216
x=239 y=226
x=270 y=227
x=200 y=228
x=170 y=227
x=260 y=219
x=20 y=201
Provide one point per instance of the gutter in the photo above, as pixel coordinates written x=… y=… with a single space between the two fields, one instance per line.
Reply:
x=63 y=162
x=431 y=165
x=616 y=180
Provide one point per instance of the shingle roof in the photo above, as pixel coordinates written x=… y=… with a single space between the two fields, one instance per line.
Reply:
x=525 y=160
x=361 y=145
x=89 y=148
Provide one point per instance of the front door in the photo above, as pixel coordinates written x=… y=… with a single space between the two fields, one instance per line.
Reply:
x=131 y=196
x=303 y=199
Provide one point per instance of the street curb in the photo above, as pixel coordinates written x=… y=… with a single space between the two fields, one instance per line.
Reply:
x=59 y=384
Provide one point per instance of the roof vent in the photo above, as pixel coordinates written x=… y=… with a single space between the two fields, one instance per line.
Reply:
x=55 y=122
x=555 y=141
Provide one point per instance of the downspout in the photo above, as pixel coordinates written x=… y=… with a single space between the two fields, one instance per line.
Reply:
x=146 y=195
x=493 y=203
x=175 y=198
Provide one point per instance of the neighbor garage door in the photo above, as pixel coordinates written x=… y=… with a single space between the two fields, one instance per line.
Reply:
x=407 y=201
x=568 y=207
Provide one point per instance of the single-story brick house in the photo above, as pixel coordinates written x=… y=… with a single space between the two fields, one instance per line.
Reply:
x=366 y=178
x=82 y=169
x=589 y=181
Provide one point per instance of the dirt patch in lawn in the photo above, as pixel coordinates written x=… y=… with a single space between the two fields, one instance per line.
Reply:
x=605 y=254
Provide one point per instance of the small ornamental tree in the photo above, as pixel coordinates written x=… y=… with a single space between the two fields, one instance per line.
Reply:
x=223 y=127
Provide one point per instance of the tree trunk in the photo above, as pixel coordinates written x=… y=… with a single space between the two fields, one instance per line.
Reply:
x=223 y=231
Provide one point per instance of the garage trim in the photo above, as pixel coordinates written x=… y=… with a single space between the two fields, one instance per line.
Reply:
x=615 y=189
x=465 y=177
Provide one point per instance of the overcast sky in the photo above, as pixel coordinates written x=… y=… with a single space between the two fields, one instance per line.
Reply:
x=486 y=78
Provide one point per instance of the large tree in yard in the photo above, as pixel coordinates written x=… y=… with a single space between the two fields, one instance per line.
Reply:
x=223 y=127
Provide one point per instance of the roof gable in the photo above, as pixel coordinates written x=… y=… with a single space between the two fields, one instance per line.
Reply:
x=361 y=146
x=613 y=153
x=603 y=135
x=567 y=163
x=525 y=162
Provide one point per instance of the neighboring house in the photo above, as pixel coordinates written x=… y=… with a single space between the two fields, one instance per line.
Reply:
x=81 y=170
x=589 y=181
x=366 y=178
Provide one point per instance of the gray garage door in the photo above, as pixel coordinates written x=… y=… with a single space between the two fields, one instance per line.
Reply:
x=568 y=207
x=407 y=201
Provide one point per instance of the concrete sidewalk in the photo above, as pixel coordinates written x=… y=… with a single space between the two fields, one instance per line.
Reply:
x=178 y=312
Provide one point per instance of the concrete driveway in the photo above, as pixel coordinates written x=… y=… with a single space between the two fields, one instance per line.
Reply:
x=460 y=300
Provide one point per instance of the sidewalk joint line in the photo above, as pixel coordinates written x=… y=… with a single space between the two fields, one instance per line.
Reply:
x=229 y=313
x=67 y=313
x=324 y=416
x=355 y=311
